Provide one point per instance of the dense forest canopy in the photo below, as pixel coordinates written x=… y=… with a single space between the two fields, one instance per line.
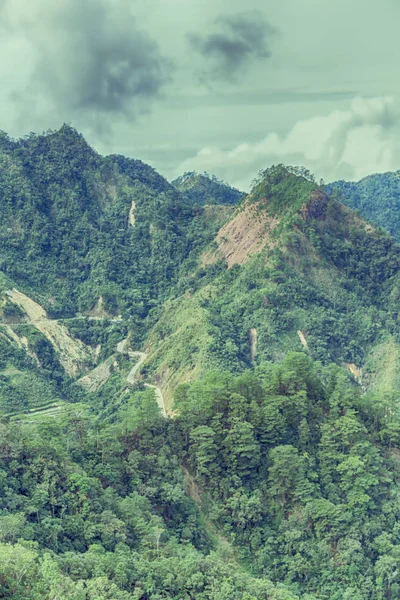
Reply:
x=66 y=227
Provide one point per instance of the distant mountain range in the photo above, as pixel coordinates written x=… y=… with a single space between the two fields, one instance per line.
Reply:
x=203 y=188
x=376 y=197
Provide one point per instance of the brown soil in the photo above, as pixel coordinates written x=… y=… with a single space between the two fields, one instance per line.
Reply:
x=245 y=235
x=99 y=311
x=355 y=371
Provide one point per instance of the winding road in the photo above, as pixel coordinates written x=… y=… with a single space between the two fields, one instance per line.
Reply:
x=131 y=379
x=104 y=368
x=73 y=353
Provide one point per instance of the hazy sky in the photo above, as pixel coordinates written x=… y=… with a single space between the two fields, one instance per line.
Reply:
x=206 y=85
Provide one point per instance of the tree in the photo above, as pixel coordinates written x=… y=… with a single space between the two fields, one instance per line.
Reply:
x=204 y=452
x=241 y=450
x=287 y=477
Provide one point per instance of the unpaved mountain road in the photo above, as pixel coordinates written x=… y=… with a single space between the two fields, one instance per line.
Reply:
x=73 y=353
x=95 y=380
x=159 y=398
x=135 y=369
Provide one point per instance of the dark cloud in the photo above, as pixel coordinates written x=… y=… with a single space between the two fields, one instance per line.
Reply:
x=92 y=59
x=237 y=41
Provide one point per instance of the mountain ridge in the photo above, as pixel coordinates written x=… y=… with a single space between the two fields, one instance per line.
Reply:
x=376 y=197
x=317 y=244
x=202 y=188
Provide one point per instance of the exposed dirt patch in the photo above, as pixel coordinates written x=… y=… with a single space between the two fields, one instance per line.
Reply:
x=95 y=380
x=99 y=312
x=132 y=218
x=354 y=370
x=253 y=343
x=245 y=235
x=303 y=340
x=73 y=354
x=210 y=257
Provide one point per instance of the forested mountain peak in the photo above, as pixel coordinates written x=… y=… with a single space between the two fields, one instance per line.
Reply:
x=292 y=268
x=75 y=226
x=282 y=189
x=282 y=199
x=203 y=188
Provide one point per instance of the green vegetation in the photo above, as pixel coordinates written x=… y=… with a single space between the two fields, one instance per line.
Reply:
x=279 y=483
x=76 y=227
x=98 y=511
x=327 y=275
x=376 y=197
x=23 y=384
x=202 y=188
x=276 y=476
x=282 y=191
x=301 y=473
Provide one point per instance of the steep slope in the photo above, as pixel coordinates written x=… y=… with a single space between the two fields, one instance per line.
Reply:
x=377 y=197
x=202 y=188
x=74 y=355
x=294 y=269
x=289 y=269
x=75 y=226
x=244 y=235
x=91 y=245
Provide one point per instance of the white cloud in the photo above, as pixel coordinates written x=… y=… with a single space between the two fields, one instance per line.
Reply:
x=347 y=144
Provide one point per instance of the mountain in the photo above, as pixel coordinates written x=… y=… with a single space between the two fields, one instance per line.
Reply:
x=376 y=197
x=196 y=401
x=76 y=227
x=291 y=270
x=82 y=236
x=202 y=188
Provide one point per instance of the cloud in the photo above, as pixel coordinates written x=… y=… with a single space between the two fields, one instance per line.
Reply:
x=348 y=144
x=89 y=58
x=238 y=40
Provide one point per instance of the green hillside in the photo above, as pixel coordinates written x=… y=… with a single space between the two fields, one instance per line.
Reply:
x=322 y=280
x=376 y=197
x=75 y=226
x=202 y=188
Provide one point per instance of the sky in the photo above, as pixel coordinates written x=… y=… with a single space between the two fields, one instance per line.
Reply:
x=223 y=86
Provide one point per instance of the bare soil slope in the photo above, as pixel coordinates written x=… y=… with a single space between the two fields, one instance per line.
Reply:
x=245 y=235
x=73 y=354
